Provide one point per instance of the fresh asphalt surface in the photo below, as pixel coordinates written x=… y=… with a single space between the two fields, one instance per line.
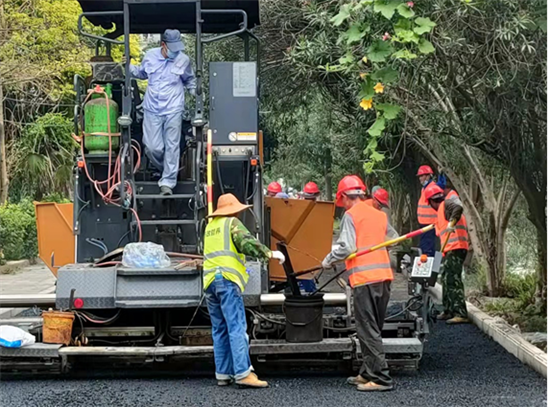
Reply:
x=460 y=367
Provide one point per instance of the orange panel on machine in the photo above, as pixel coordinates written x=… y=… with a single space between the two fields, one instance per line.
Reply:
x=54 y=224
x=306 y=228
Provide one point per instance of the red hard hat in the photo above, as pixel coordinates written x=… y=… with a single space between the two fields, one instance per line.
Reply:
x=424 y=170
x=432 y=190
x=348 y=183
x=274 y=187
x=382 y=196
x=311 y=188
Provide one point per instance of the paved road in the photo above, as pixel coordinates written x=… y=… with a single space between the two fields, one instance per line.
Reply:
x=461 y=367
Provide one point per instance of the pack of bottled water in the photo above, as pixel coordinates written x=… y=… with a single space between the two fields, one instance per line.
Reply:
x=145 y=255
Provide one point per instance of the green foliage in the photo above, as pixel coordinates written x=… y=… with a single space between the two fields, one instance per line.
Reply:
x=18 y=231
x=379 y=50
x=43 y=158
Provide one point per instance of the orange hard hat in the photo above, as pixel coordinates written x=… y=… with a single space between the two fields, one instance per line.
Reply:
x=432 y=190
x=347 y=184
x=382 y=196
x=424 y=170
x=274 y=187
x=311 y=188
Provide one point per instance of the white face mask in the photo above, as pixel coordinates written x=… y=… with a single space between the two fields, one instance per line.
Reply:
x=425 y=183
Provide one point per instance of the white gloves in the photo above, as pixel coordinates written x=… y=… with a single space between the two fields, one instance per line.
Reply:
x=193 y=92
x=450 y=227
x=278 y=255
x=325 y=264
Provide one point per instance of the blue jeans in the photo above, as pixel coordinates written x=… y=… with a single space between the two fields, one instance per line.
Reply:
x=226 y=308
x=161 y=136
x=427 y=242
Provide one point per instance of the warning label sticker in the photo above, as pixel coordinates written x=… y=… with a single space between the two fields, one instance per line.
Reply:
x=246 y=136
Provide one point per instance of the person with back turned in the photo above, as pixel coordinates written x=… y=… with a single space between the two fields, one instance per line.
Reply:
x=370 y=277
x=226 y=242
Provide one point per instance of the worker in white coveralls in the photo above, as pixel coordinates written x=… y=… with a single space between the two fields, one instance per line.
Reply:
x=170 y=73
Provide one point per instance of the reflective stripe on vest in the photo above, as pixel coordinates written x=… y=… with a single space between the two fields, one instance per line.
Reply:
x=459 y=237
x=426 y=215
x=370 y=229
x=221 y=255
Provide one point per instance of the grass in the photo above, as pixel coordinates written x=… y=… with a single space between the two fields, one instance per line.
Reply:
x=517 y=306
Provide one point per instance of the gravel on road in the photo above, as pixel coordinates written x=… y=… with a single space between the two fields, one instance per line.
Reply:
x=460 y=367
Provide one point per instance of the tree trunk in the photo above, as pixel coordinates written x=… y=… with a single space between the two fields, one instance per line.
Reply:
x=3 y=165
x=328 y=186
x=541 y=269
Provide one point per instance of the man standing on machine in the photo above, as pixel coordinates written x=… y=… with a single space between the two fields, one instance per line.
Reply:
x=226 y=242
x=169 y=72
x=370 y=277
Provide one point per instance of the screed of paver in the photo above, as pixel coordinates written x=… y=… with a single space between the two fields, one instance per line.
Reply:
x=461 y=367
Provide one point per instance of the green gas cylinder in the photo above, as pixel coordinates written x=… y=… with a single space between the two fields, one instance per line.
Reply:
x=96 y=128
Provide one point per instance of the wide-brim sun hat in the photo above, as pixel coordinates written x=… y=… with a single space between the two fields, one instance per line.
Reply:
x=228 y=204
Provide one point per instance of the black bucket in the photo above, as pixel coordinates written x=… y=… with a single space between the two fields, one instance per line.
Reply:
x=304 y=318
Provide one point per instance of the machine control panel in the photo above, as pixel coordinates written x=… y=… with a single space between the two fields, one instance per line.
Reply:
x=426 y=269
x=234 y=150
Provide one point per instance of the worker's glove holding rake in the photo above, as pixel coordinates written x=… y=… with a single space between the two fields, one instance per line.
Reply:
x=451 y=226
x=326 y=264
x=278 y=255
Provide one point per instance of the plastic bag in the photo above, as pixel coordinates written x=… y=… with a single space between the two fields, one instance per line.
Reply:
x=13 y=337
x=145 y=255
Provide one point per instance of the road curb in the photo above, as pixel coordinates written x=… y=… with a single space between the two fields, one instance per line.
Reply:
x=504 y=335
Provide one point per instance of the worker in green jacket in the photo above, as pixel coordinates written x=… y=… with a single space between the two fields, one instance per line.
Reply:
x=226 y=242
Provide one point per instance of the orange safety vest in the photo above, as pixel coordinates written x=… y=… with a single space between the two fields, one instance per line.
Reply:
x=370 y=229
x=425 y=213
x=369 y=202
x=452 y=192
x=459 y=238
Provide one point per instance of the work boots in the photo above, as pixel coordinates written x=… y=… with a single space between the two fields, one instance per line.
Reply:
x=252 y=381
x=457 y=320
x=444 y=316
x=356 y=380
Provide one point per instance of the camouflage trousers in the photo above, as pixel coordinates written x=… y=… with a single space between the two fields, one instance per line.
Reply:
x=454 y=302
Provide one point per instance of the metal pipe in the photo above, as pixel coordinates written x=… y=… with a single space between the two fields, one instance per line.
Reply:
x=48 y=300
x=27 y=300
x=209 y=192
x=278 y=299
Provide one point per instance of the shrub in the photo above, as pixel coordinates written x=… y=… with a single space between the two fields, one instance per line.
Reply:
x=18 y=231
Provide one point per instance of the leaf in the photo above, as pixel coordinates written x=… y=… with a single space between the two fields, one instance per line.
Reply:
x=379 y=50
x=404 y=54
x=390 y=111
x=376 y=156
x=368 y=167
x=406 y=36
x=424 y=25
x=342 y=16
x=367 y=89
x=355 y=33
x=386 y=75
x=378 y=126
x=425 y=46
x=373 y=143
x=386 y=8
x=405 y=10
x=346 y=59
x=403 y=24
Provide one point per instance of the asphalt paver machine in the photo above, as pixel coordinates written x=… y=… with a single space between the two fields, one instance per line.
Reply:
x=154 y=317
